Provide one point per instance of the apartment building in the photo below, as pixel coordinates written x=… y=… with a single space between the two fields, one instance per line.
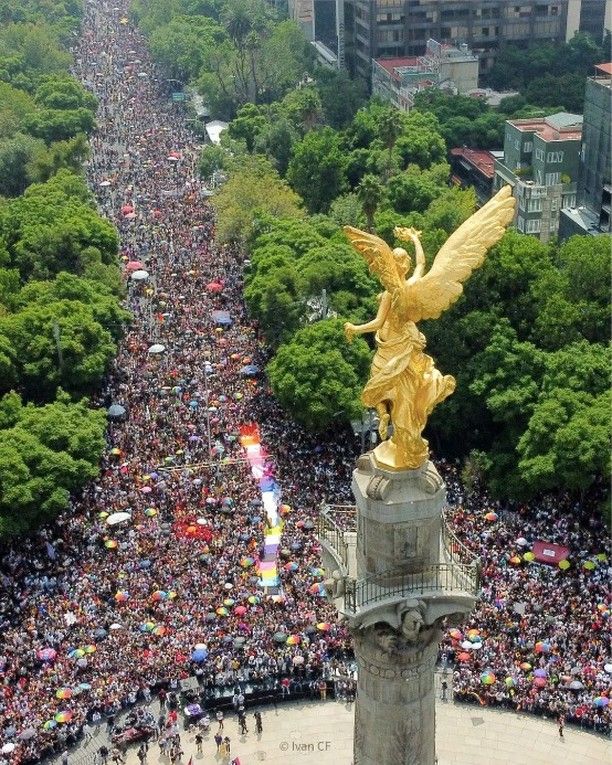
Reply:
x=542 y=163
x=397 y=28
x=591 y=215
x=443 y=66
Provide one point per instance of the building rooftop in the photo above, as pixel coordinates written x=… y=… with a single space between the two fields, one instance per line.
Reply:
x=562 y=126
x=605 y=69
x=394 y=65
x=481 y=159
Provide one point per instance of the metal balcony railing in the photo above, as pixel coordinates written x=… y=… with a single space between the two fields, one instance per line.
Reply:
x=440 y=577
x=333 y=524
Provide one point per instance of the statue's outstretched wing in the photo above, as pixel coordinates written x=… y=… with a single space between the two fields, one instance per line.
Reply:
x=463 y=251
x=378 y=256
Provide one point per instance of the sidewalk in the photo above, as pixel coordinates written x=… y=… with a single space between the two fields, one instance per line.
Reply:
x=321 y=733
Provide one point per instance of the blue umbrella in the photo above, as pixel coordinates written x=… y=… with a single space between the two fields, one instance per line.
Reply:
x=250 y=370
x=199 y=655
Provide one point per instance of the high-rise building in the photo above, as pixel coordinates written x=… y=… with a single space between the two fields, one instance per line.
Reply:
x=592 y=16
x=542 y=164
x=594 y=194
x=396 y=28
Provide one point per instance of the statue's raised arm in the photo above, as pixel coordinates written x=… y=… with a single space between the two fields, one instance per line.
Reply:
x=404 y=385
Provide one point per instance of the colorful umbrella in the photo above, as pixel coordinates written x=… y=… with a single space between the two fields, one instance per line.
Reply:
x=463 y=656
x=150 y=512
x=601 y=701
x=160 y=630
x=63 y=717
x=159 y=595
x=229 y=602
x=222 y=611
x=529 y=556
x=525 y=665
x=63 y=693
x=542 y=647
x=147 y=627
x=456 y=634
x=76 y=653
x=510 y=682
x=487 y=678
x=564 y=565
x=253 y=600
x=316 y=589
x=515 y=560
x=491 y=517
x=89 y=648
x=291 y=566
x=324 y=626
x=293 y=640
x=49 y=725
x=122 y=596
x=110 y=544
x=246 y=562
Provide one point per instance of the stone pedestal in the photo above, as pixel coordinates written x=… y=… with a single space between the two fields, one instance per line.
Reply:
x=398 y=518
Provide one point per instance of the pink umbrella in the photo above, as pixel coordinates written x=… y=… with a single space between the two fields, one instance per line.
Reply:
x=133 y=265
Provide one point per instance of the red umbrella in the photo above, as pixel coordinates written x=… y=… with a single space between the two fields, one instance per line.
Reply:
x=127 y=209
x=214 y=286
x=465 y=656
x=133 y=265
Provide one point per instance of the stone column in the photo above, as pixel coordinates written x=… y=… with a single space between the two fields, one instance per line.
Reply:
x=395 y=625
x=394 y=709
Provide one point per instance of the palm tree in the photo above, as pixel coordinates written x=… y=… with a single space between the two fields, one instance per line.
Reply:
x=370 y=192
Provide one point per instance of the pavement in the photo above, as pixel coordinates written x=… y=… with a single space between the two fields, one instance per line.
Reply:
x=321 y=733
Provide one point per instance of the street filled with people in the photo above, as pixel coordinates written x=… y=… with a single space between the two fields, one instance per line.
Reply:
x=152 y=576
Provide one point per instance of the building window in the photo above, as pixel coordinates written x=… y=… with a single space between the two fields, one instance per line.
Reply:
x=553 y=178
x=534 y=205
x=569 y=201
x=533 y=226
x=520 y=223
x=554 y=204
x=554 y=156
x=528 y=147
x=539 y=154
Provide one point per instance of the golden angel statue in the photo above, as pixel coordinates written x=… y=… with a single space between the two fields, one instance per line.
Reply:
x=404 y=385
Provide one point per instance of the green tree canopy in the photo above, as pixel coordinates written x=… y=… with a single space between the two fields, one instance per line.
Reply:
x=316 y=170
x=54 y=227
x=253 y=189
x=46 y=453
x=318 y=376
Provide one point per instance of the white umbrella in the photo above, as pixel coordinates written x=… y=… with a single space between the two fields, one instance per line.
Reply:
x=522 y=541
x=139 y=276
x=476 y=646
x=8 y=748
x=608 y=668
x=115 y=518
x=200 y=647
x=104 y=184
x=467 y=645
x=116 y=626
x=157 y=348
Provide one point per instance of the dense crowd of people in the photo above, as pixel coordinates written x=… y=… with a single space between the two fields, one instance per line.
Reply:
x=95 y=616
